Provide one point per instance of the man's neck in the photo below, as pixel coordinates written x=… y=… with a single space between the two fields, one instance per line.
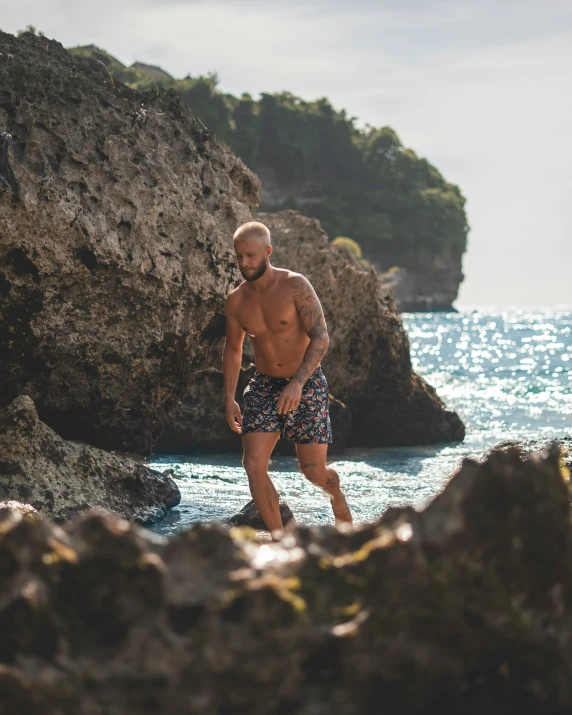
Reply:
x=267 y=279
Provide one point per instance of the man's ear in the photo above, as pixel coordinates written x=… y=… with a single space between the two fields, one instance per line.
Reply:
x=268 y=251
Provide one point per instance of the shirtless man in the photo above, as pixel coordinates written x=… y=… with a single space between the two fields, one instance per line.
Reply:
x=280 y=311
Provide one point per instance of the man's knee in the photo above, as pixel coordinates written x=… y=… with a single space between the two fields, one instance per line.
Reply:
x=254 y=464
x=315 y=472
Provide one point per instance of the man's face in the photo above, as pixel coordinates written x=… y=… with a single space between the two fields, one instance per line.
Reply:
x=252 y=258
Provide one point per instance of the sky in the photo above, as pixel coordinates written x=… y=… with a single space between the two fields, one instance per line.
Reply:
x=481 y=88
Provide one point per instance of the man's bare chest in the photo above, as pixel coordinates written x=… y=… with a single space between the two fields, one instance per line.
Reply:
x=267 y=314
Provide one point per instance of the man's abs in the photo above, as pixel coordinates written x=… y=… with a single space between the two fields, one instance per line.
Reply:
x=279 y=356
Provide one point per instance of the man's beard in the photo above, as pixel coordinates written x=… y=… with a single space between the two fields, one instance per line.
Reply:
x=255 y=275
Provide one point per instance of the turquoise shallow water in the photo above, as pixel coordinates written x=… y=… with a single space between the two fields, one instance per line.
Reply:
x=507 y=373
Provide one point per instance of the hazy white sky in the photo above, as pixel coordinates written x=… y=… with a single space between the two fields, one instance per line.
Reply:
x=481 y=88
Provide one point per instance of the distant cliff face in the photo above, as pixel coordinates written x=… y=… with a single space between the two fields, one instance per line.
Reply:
x=430 y=289
x=115 y=260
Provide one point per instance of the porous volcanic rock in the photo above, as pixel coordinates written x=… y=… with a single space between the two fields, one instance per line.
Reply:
x=115 y=245
x=464 y=607
x=198 y=422
x=368 y=364
x=62 y=479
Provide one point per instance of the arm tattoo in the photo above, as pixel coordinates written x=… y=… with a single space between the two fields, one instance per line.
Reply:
x=313 y=324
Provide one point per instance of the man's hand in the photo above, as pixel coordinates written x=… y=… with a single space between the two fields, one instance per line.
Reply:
x=290 y=397
x=233 y=416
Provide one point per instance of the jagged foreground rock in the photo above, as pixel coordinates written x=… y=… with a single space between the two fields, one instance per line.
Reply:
x=379 y=400
x=464 y=607
x=63 y=479
x=115 y=261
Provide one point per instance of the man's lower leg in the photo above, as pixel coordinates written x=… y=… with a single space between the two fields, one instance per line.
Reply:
x=266 y=499
x=339 y=504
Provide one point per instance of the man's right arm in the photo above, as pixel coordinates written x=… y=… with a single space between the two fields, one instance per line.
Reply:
x=231 y=362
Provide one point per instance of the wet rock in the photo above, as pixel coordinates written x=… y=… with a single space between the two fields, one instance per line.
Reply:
x=250 y=516
x=368 y=364
x=115 y=262
x=463 y=607
x=63 y=479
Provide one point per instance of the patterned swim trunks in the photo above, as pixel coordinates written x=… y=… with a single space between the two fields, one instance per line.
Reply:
x=308 y=424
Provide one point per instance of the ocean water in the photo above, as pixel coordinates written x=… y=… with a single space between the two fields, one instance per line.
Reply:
x=508 y=373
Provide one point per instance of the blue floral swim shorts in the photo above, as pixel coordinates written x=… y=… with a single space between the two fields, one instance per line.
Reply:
x=308 y=424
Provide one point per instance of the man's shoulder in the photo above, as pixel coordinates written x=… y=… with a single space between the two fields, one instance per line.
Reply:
x=297 y=284
x=236 y=292
x=234 y=296
x=295 y=279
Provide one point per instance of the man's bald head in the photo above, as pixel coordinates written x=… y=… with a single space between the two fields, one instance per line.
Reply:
x=253 y=230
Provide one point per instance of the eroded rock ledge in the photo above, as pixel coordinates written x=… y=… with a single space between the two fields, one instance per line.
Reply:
x=464 y=607
x=63 y=479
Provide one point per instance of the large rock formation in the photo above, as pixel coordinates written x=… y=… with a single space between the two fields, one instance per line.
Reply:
x=377 y=399
x=114 y=245
x=464 y=607
x=63 y=479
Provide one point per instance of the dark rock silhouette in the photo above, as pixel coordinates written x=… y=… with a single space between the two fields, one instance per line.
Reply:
x=115 y=262
x=63 y=479
x=463 y=607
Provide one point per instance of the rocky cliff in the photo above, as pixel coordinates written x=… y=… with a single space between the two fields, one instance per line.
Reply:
x=463 y=607
x=62 y=479
x=114 y=244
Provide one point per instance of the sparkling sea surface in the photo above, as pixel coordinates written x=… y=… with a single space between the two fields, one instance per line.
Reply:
x=507 y=372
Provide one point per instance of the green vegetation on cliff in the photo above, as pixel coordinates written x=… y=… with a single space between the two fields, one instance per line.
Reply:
x=361 y=183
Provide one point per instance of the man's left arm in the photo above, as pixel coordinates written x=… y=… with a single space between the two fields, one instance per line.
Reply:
x=314 y=325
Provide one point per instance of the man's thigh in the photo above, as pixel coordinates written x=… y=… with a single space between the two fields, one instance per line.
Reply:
x=257 y=448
